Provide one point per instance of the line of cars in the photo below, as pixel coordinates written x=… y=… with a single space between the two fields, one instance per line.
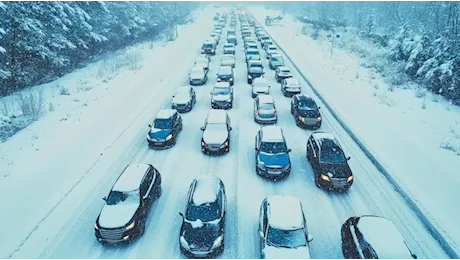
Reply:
x=281 y=235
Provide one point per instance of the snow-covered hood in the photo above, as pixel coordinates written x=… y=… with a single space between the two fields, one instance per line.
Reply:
x=215 y=136
x=271 y=252
x=221 y=97
x=117 y=215
x=181 y=100
x=203 y=64
x=197 y=75
x=228 y=62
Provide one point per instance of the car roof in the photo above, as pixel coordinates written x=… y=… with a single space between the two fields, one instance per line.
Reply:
x=285 y=68
x=206 y=189
x=166 y=113
x=130 y=179
x=292 y=81
x=229 y=44
x=217 y=116
x=285 y=212
x=255 y=61
x=272 y=133
x=222 y=84
x=260 y=79
x=384 y=237
x=265 y=99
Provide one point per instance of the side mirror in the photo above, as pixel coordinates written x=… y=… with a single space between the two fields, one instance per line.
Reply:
x=289 y=150
x=319 y=107
x=257 y=149
x=348 y=158
x=309 y=238
x=261 y=234
x=180 y=214
x=105 y=198
x=202 y=128
x=210 y=93
x=229 y=128
x=150 y=125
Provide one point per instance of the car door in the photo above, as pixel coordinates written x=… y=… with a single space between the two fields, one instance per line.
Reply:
x=315 y=157
x=263 y=225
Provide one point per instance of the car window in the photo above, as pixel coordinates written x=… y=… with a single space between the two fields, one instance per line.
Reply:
x=286 y=238
x=315 y=147
x=204 y=212
x=273 y=147
x=221 y=91
x=266 y=106
x=146 y=183
x=161 y=123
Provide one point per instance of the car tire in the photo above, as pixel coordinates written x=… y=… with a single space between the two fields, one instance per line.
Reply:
x=254 y=96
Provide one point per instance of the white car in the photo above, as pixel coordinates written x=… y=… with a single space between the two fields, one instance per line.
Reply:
x=229 y=48
x=202 y=62
x=227 y=60
x=198 y=76
x=260 y=86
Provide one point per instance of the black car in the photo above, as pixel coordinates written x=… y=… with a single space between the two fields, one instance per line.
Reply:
x=128 y=204
x=184 y=99
x=202 y=230
x=254 y=72
x=373 y=237
x=225 y=74
x=272 y=154
x=328 y=161
x=166 y=127
x=305 y=111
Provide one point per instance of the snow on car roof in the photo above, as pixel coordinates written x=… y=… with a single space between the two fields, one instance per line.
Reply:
x=271 y=133
x=131 y=177
x=225 y=70
x=285 y=212
x=323 y=135
x=217 y=116
x=205 y=190
x=228 y=45
x=384 y=237
x=227 y=56
x=166 y=113
x=292 y=81
x=284 y=68
x=265 y=99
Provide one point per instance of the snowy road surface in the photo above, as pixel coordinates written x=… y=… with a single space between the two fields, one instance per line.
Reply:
x=67 y=231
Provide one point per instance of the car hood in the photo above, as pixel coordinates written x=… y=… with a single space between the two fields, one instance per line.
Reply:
x=336 y=170
x=114 y=216
x=181 y=100
x=220 y=97
x=224 y=62
x=197 y=75
x=309 y=113
x=159 y=133
x=201 y=237
x=215 y=136
x=301 y=252
x=260 y=88
x=280 y=159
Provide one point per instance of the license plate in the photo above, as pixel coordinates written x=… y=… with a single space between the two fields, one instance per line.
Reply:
x=158 y=143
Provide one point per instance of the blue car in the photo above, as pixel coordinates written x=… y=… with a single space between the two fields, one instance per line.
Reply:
x=272 y=154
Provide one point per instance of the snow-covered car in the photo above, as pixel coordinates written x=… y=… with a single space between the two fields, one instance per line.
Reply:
x=251 y=51
x=228 y=60
x=222 y=96
x=265 y=110
x=272 y=153
x=281 y=73
x=260 y=86
x=205 y=55
x=184 y=99
x=373 y=237
x=290 y=87
x=266 y=43
x=330 y=166
x=128 y=204
x=271 y=50
x=255 y=63
x=231 y=31
x=305 y=111
x=263 y=37
x=216 y=36
x=254 y=72
x=216 y=132
x=275 y=61
x=229 y=48
x=283 y=231
x=252 y=57
x=202 y=62
x=203 y=222
x=165 y=129
x=232 y=39
x=198 y=76
x=250 y=45
x=225 y=74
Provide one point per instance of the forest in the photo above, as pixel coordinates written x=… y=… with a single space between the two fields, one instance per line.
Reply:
x=40 y=41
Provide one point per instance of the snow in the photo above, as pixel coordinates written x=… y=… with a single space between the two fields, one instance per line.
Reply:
x=118 y=215
x=215 y=133
x=217 y=116
x=272 y=133
x=265 y=99
x=301 y=252
x=196 y=224
x=205 y=190
x=404 y=132
x=285 y=212
x=166 y=113
x=131 y=177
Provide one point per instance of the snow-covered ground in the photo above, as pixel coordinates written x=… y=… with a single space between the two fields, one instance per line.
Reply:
x=413 y=133
x=52 y=192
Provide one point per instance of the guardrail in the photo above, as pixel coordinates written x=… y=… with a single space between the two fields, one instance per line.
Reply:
x=435 y=233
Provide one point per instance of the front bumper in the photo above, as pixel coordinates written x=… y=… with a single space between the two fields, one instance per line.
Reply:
x=208 y=149
x=290 y=92
x=272 y=173
x=333 y=184
x=202 y=254
x=122 y=238
x=160 y=144
x=307 y=122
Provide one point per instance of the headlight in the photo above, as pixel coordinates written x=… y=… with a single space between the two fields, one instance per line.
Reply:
x=184 y=243
x=203 y=143
x=261 y=165
x=302 y=119
x=318 y=119
x=169 y=137
x=231 y=79
x=324 y=177
x=249 y=77
x=229 y=100
x=131 y=226
x=218 y=79
x=285 y=168
x=350 y=178
x=212 y=50
x=217 y=242
x=96 y=226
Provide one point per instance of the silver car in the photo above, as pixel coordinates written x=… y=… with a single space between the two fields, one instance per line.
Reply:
x=265 y=110
x=260 y=86
x=216 y=133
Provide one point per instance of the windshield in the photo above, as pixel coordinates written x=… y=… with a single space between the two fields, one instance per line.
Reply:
x=332 y=155
x=273 y=147
x=307 y=104
x=182 y=94
x=253 y=52
x=266 y=106
x=286 y=238
x=277 y=58
x=256 y=64
x=255 y=69
x=204 y=212
x=197 y=71
x=228 y=46
x=117 y=197
x=162 y=123
x=221 y=91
